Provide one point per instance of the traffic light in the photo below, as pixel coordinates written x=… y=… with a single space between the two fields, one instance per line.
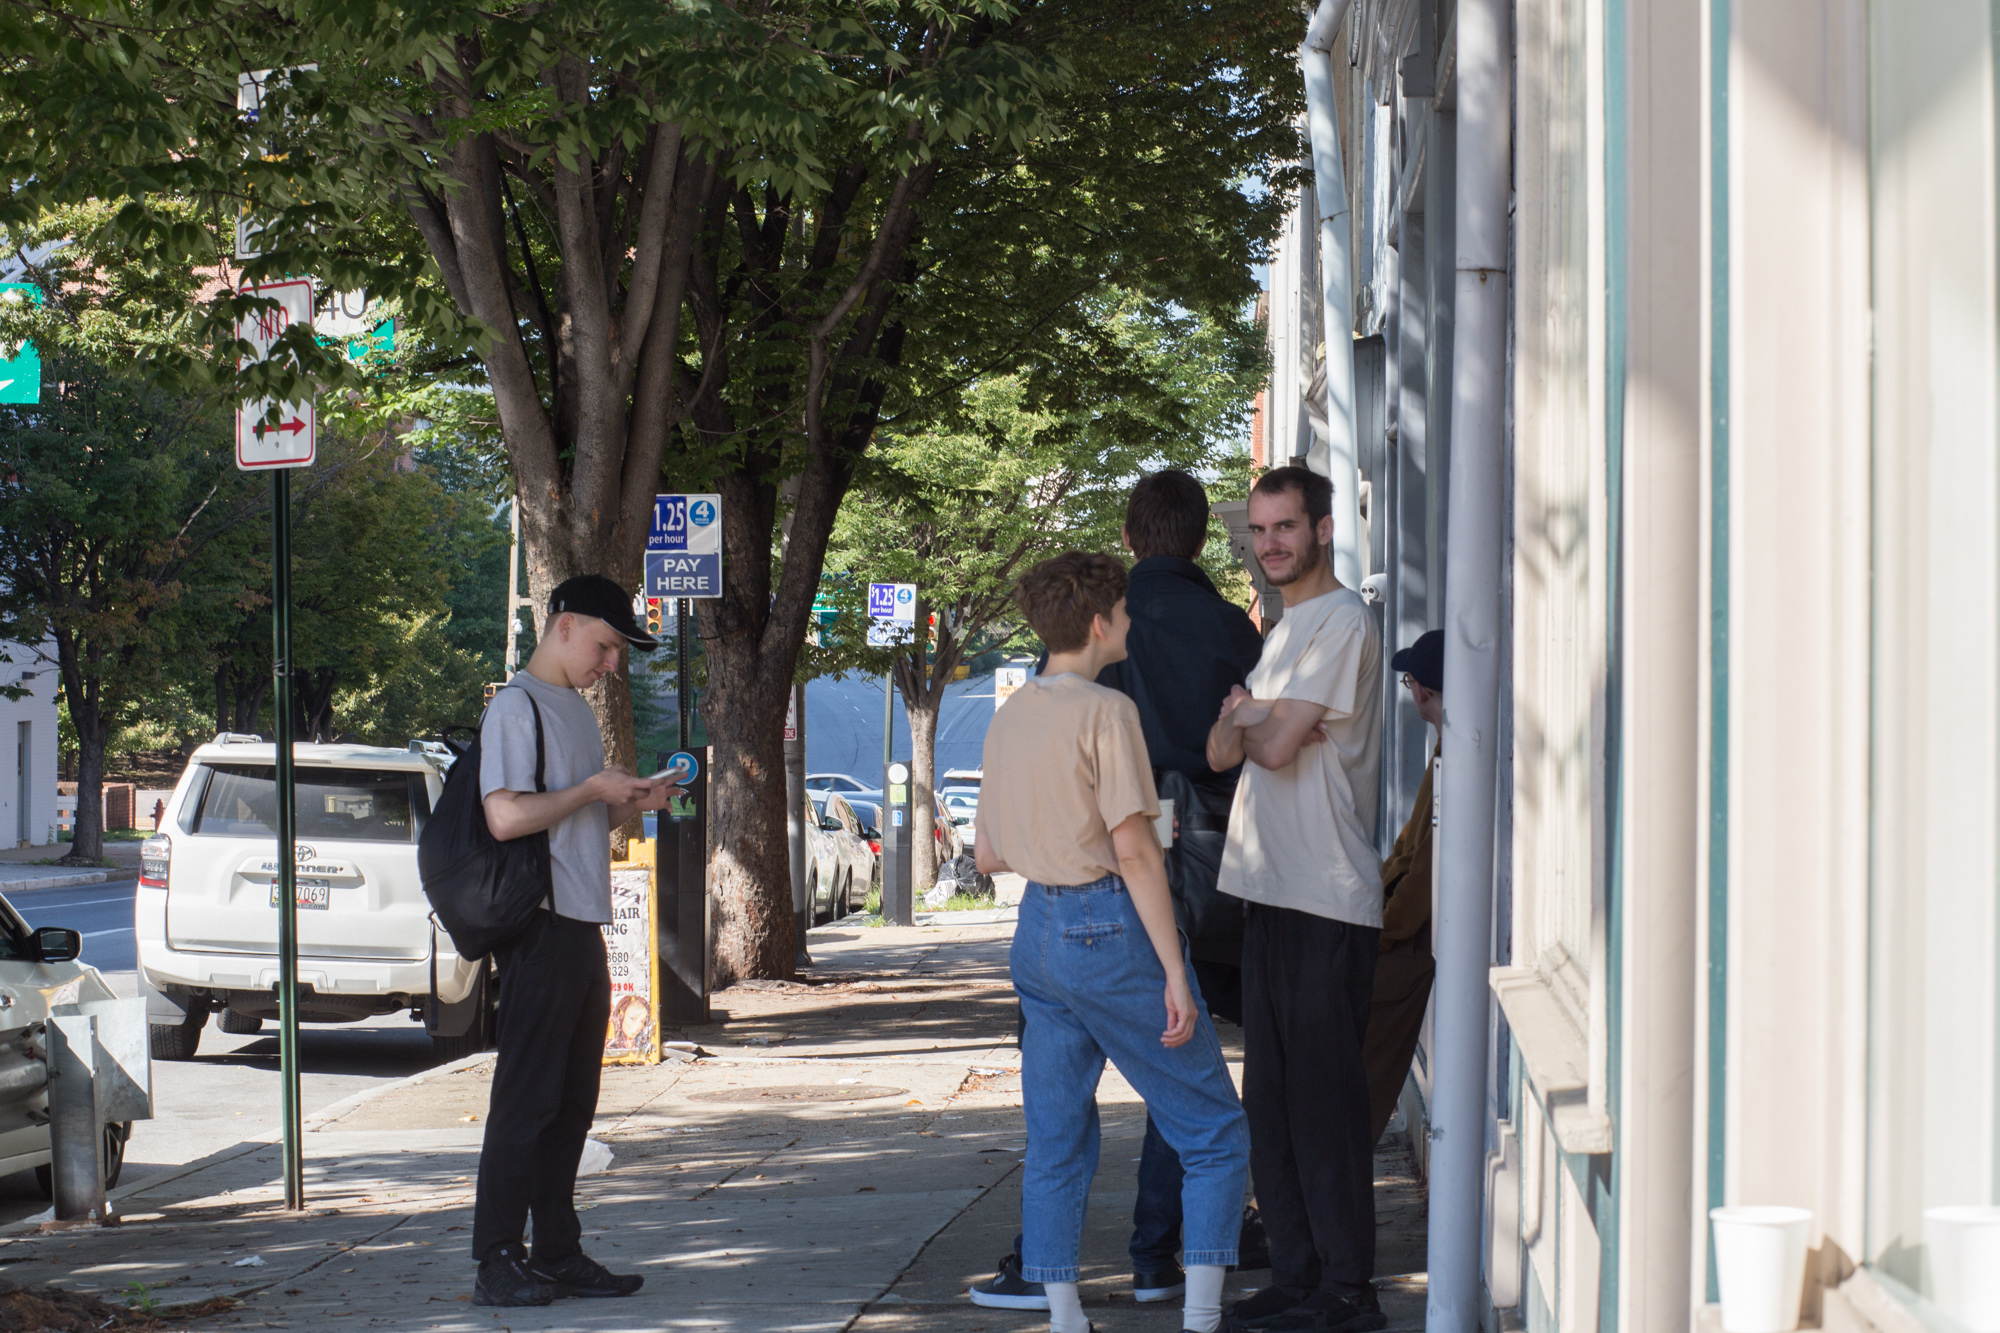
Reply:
x=654 y=622
x=492 y=688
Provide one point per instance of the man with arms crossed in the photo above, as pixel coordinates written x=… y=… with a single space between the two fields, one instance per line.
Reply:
x=1301 y=855
x=555 y=991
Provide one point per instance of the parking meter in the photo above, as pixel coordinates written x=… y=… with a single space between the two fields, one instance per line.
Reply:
x=898 y=905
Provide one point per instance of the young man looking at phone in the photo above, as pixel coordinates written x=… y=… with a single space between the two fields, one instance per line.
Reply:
x=555 y=991
x=1301 y=854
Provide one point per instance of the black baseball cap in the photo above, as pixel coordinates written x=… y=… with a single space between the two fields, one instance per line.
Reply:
x=1423 y=659
x=595 y=595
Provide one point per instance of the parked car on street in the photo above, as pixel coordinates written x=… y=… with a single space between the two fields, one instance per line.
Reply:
x=944 y=827
x=39 y=970
x=963 y=803
x=840 y=866
x=205 y=913
x=869 y=812
x=845 y=783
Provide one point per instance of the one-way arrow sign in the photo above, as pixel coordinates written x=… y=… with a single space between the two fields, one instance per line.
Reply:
x=292 y=441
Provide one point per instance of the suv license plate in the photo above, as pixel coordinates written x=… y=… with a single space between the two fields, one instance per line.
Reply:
x=314 y=894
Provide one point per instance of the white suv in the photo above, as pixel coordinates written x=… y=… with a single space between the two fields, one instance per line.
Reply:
x=206 y=910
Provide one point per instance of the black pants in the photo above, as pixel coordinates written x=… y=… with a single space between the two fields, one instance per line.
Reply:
x=555 y=1000
x=1156 y=1212
x=1307 y=984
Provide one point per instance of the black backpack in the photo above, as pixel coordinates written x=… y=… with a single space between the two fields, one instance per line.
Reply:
x=483 y=891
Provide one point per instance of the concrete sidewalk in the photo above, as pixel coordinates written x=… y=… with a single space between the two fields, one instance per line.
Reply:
x=845 y=1156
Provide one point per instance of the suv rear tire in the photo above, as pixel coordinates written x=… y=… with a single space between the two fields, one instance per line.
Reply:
x=176 y=1041
x=240 y=1024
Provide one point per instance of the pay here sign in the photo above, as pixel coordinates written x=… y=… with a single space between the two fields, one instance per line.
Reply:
x=684 y=549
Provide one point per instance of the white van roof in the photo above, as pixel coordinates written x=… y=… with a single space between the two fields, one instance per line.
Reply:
x=244 y=750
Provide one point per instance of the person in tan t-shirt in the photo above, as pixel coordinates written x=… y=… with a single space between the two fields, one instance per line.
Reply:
x=1099 y=967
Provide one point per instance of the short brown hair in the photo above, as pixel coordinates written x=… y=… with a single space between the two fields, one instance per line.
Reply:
x=1315 y=492
x=1167 y=515
x=1061 y=595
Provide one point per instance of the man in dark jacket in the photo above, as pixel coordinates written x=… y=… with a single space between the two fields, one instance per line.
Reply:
x=1188 y=646
x=1404 y=968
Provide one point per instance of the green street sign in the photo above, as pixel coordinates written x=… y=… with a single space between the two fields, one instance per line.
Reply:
x=381 y=338
x=824 y=611
x=20 y=367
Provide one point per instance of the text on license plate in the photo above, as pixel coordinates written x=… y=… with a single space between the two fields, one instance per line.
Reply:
x=311 y=893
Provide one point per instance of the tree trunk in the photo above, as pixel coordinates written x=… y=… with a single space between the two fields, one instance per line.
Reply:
x=745 y=709
x=92 y=735
x=611 y=700
x=922 y=708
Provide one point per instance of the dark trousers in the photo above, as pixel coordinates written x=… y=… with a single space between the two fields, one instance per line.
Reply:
x=1307 y=984
x=555 y=1000
x=1156 y=1213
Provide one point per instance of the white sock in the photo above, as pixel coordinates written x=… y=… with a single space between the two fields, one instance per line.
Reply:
x=1202 y=1311
x=1065 y=1308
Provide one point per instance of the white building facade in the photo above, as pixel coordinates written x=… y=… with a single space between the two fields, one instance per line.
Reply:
x=1745 y=873
x=28 y=734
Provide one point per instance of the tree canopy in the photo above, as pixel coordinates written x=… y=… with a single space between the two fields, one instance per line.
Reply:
x=687 y=247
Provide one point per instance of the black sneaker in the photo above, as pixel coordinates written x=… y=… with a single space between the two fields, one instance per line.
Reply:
x=1254 y=1310
x=1008 y=1290
x=1253 y=1246
x=1164 y=1285
x=504 y=1279
x=581 y=1275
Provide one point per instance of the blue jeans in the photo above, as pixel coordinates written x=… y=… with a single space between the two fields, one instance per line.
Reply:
x=1091 y=987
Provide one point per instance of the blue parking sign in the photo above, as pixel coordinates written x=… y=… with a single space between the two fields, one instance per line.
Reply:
x=684 y=548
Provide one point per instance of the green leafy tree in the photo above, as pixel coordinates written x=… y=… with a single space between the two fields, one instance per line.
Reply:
x=694 y=246
x=104 y=486
x=1042 y=463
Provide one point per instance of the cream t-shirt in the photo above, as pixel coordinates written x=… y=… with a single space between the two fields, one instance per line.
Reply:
x=1064 y=764
x=1303 y=836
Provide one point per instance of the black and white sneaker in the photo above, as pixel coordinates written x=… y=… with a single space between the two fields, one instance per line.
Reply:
x=1008 y=1290
x=504 y=1279
x=581 y=1275
x=1164 y=1285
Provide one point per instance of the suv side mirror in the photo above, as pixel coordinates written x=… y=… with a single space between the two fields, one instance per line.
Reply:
x=54 y=944
x=831 y=823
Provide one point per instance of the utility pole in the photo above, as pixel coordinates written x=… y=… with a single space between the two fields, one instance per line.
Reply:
x=515 y=602
x=681 y=666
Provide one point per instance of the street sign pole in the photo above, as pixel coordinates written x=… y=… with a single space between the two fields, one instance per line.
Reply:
x=681 y=668
x=287 y=876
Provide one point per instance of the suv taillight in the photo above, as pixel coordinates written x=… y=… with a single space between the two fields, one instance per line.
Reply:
x=154 y=853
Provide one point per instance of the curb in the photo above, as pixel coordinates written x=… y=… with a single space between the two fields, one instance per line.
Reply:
x=325 y=1117
x=320 y=1119
x=67 y=879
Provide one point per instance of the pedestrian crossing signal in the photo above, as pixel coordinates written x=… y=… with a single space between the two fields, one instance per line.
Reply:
x=653 y=616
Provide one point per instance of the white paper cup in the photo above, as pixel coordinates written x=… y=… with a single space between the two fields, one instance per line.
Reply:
x=1963 y=1244
x=1760 y=1266
x=1163 y=827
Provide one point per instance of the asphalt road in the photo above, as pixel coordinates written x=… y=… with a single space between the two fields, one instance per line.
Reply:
x=229 y=1092
x=844 y=725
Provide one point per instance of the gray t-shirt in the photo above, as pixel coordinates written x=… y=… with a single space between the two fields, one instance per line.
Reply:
x=580 y=846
